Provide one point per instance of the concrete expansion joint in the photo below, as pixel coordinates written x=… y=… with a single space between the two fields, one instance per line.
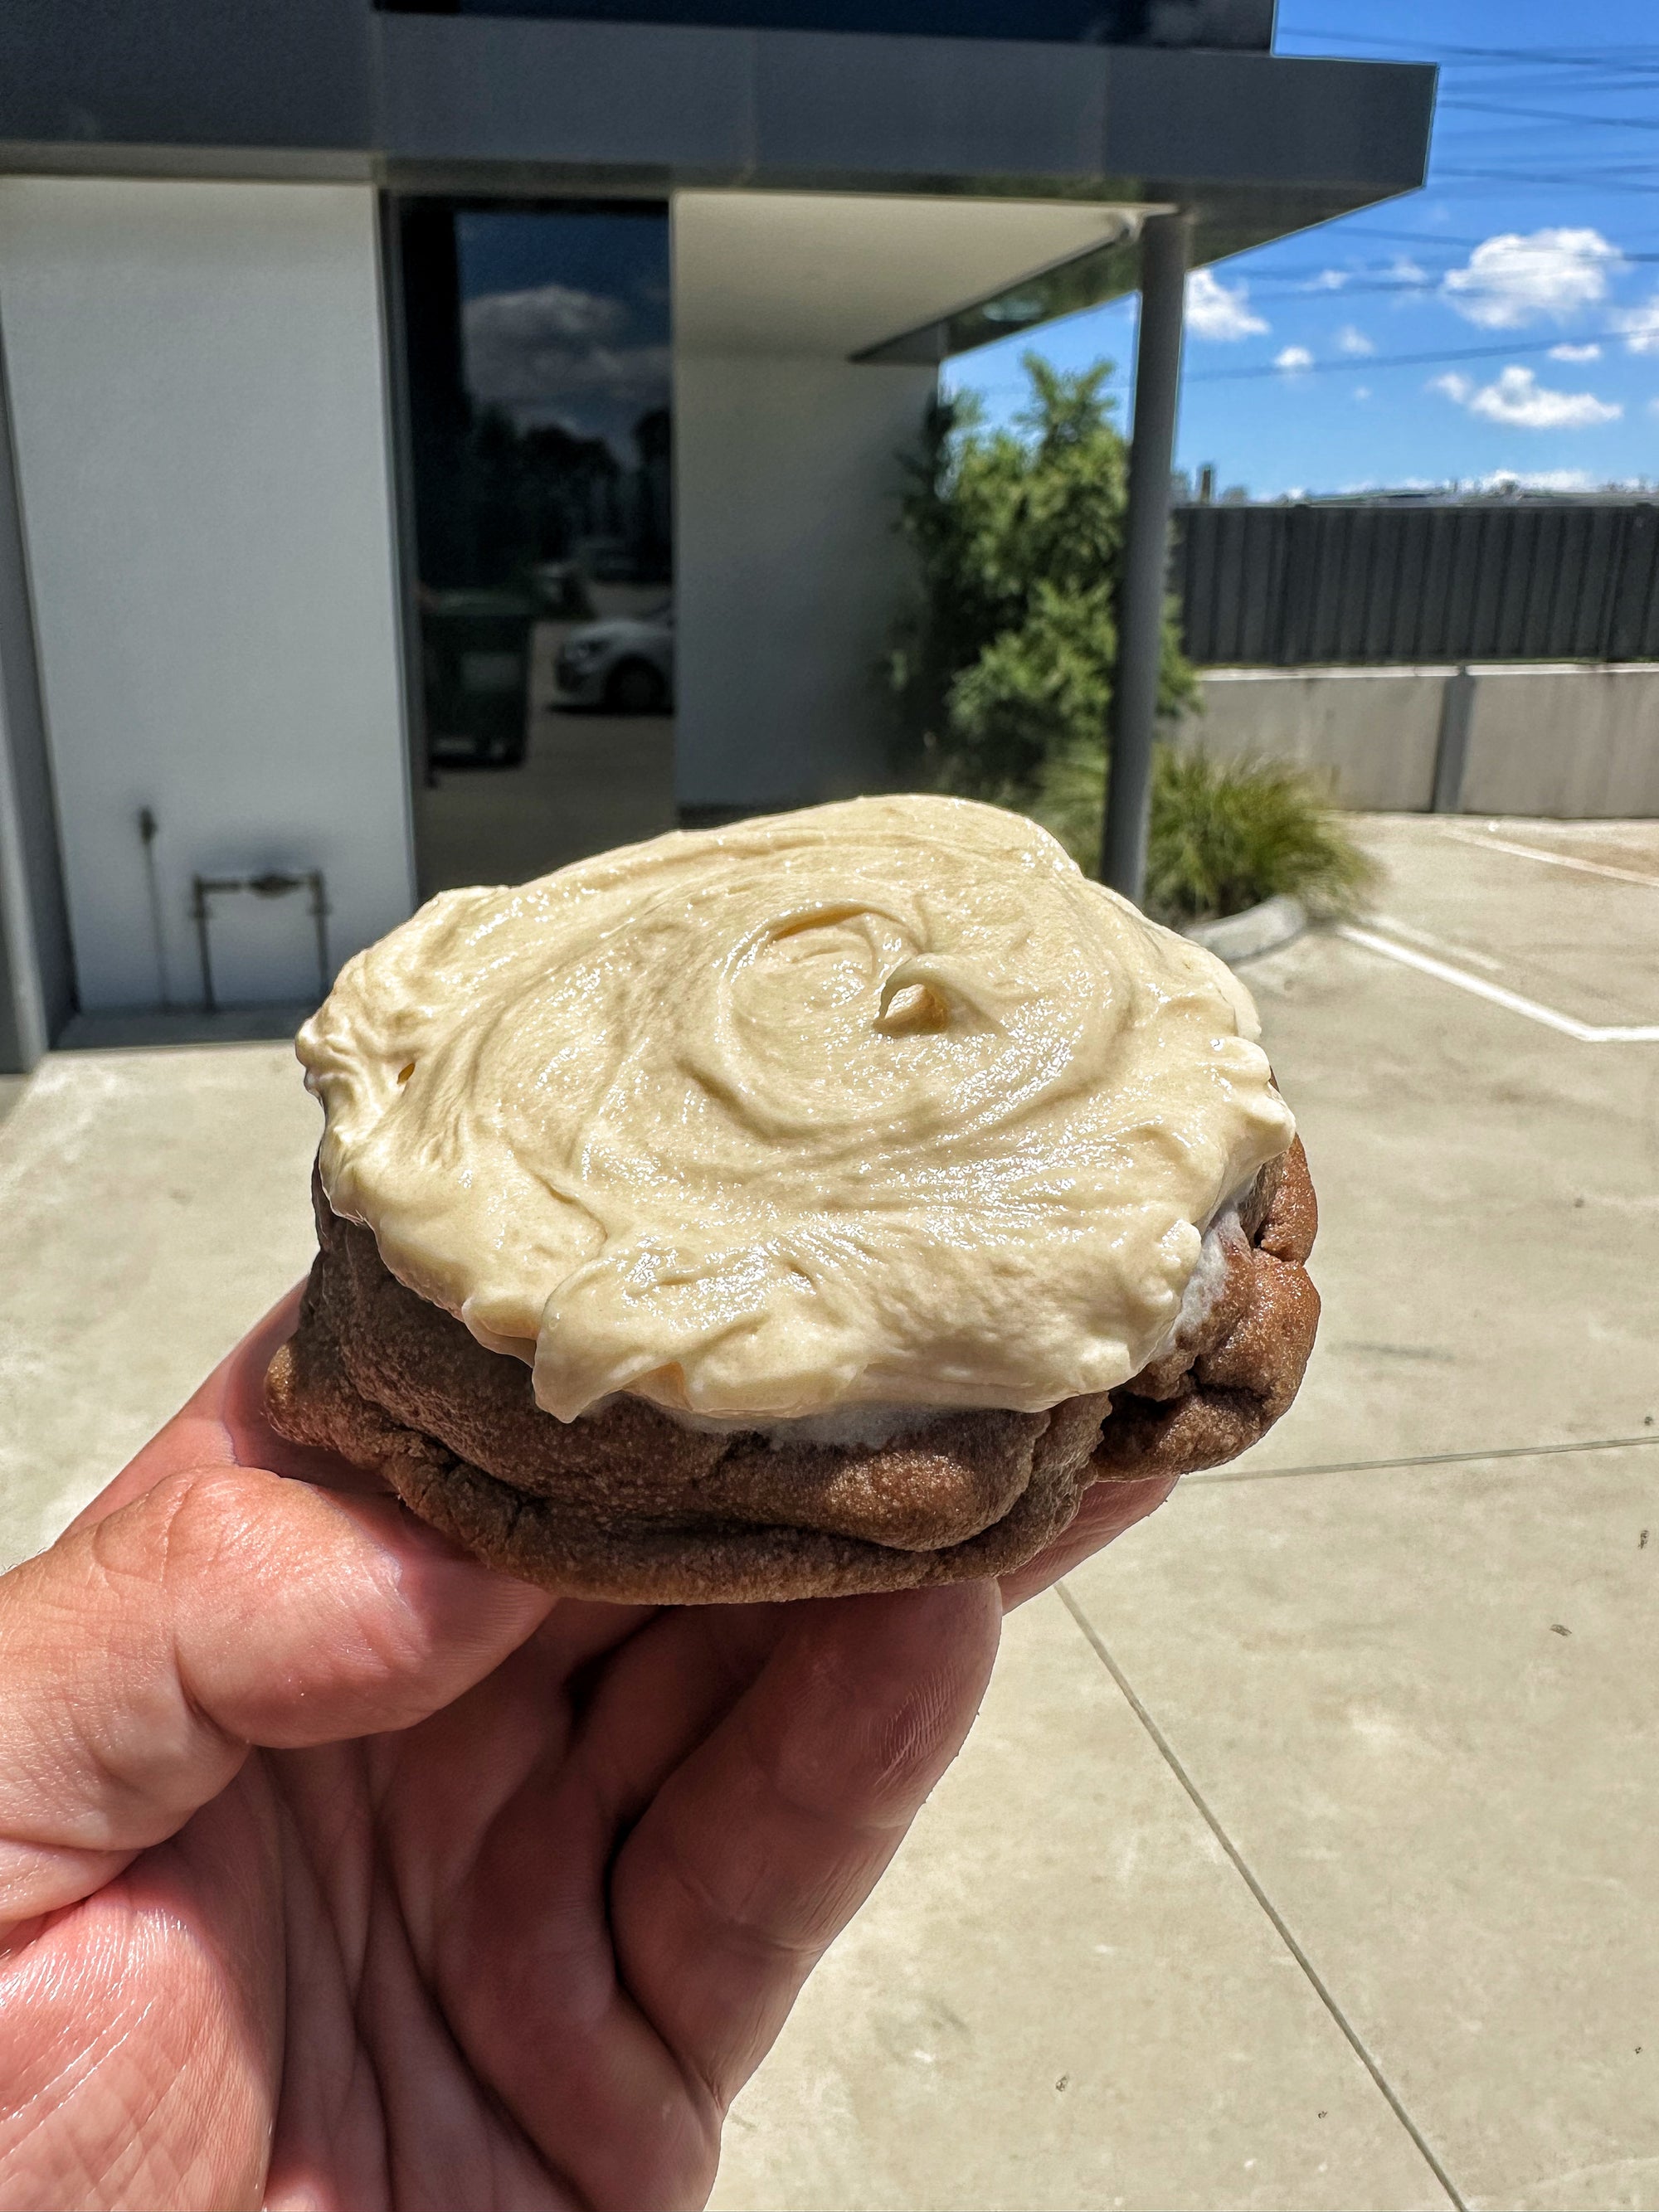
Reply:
x=1249 y=1473
x=1241 y=1866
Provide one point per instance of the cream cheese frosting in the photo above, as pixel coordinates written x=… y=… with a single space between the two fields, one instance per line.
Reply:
x=872 y=1105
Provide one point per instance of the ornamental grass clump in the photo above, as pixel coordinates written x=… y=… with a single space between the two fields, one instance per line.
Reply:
x=1225 y=834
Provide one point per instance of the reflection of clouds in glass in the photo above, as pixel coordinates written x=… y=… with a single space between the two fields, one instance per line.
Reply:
x=556 y=354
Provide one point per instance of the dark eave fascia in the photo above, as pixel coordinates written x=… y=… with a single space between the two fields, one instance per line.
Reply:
x=810 y=111
x=1258 y=144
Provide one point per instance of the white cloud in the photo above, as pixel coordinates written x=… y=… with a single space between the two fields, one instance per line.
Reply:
x=1517 y=400
x=1640 y=327
x=553 y=345
x=1576 y=353
x=1511 y=281
x=1518 y=397
x=1537 y=480
x=1397 y=484
x=1215 y=310
x=1404 y=270
x=1328 y=280
x=1362 y=391
x=1351 y=341
x=1293 y=358
x=548 y=314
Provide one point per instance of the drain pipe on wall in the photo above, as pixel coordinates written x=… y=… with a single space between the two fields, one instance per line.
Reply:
x=1165 y=251
x=147 y=832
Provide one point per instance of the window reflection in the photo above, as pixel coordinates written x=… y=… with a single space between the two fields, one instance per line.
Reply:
x=538 y=349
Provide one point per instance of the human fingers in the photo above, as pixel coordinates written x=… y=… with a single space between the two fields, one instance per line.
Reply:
x=1108 y=1509
x=758 y=1850
x=143 y=1655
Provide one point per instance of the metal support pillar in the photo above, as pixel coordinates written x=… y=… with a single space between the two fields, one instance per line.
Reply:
x=1165 y=250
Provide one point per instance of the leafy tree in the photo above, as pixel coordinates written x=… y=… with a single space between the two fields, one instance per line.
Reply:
x=1002 y=668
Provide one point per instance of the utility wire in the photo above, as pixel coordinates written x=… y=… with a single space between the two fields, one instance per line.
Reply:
x=1546 y=115
x=1561 y=72
x=1625 y=57
x=1350 y=364
x=1363 y=364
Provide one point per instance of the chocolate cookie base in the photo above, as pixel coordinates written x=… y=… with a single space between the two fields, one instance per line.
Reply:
x=627 y=1504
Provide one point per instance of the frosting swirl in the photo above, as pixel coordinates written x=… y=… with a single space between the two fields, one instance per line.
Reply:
x=876 y=1103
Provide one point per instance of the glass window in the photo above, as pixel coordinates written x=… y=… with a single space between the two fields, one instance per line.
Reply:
x=537 y=344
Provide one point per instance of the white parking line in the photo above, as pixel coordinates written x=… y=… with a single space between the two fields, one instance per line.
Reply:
x=1495 y=993
x=1392 y=926
x=1553 y=860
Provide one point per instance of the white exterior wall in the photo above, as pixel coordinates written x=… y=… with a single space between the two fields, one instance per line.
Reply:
x=197 y=400
x=788 y=571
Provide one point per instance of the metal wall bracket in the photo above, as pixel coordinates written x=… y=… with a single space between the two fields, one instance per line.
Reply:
x=274 y=883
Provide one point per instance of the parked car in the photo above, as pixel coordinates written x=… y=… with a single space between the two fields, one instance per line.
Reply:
x=626 y=664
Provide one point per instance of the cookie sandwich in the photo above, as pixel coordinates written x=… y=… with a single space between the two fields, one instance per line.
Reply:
x=816 y=1205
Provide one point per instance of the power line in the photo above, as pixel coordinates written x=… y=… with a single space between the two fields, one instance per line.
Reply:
x=1348 y=365
x=1363 y=364
x=1622 y=56
x=1274 y=286
x=1550 y=115
x=1488 y=180
x=1552 y=72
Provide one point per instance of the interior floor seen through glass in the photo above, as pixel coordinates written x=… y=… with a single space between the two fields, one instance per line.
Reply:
x=539 y=447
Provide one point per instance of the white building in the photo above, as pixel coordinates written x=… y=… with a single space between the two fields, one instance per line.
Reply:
x=339 y=344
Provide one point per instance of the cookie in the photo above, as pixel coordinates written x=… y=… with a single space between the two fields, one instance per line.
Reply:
x=627 y=1504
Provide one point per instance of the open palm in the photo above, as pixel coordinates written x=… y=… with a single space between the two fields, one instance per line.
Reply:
x=507 y=1898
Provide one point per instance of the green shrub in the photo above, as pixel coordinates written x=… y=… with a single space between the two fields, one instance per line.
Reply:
x=1225 y=835
x=1003 y=661
x=1001 y=667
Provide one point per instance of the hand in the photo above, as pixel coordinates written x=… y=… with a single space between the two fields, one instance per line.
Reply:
x=337 y=1870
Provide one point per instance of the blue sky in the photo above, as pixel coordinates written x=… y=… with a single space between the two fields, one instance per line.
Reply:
x=1527 y=268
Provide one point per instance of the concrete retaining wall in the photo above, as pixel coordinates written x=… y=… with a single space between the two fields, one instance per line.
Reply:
x=1575 y=742
x=1571 y=741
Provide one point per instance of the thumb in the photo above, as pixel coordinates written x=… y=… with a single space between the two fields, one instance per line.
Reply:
x=143 y=1655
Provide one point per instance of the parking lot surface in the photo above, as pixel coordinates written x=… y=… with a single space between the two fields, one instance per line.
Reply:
x=1305 y=1853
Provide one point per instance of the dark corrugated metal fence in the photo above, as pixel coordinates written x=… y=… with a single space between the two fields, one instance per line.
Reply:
x=1364 y=582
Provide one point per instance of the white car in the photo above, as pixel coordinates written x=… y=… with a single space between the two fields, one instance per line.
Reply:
x=626 y=664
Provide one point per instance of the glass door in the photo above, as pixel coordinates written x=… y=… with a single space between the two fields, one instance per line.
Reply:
x=538 y=442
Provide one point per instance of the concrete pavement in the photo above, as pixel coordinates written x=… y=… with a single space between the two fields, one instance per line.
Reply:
x=1304 y=1854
